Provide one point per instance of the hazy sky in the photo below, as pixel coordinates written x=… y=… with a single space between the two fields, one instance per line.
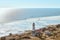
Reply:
x=4 y=14
x=11 y=11
x=30 y=3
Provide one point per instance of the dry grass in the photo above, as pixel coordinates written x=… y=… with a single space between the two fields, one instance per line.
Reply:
x=55 y=31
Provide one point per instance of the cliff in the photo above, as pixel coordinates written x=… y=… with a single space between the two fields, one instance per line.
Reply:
x=51 y=32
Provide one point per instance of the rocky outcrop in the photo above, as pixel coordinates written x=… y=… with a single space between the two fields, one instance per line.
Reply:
x=51 y=32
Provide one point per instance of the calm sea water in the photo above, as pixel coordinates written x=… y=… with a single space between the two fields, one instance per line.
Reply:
x=35 y=14
x=39 y=12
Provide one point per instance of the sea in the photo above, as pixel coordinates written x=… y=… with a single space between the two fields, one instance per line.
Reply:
x=40 y=16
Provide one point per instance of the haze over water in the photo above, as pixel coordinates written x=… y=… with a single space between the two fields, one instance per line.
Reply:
x=41 y=17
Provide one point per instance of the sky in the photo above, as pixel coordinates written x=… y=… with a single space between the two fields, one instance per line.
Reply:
x=8 y=8
x=30 y=3
x=42 y=12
